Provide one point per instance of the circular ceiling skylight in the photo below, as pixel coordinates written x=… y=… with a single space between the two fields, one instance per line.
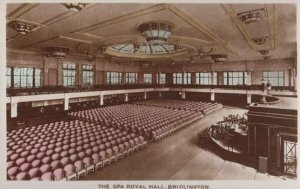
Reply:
x=146 y=50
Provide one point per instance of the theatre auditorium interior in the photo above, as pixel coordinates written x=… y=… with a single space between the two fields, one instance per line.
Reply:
x=151 y=91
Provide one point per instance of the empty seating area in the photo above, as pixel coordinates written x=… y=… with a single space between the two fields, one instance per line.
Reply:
x=65 y=149
x=151 y=122
x=74 y=144
x=203 y=107
x=153 y=119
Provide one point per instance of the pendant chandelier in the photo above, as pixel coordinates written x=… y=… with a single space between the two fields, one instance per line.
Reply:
x=57 y=52
x=219 y=58
x=253 y=16
x=156 y=33
x=22 y=28
x=75 y=7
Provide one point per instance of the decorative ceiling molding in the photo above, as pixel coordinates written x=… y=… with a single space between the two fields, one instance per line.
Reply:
x=199 y=27
x=146 y=11
x=59 y=37
x=42 y=41
x=90 y=35
x=202 y=41
x=74 y=39
x=21 y=10
x=270 y=9
x=64 y=15
x=233 y=16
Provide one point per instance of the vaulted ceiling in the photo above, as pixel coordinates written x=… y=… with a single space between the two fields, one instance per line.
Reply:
x=207 y=26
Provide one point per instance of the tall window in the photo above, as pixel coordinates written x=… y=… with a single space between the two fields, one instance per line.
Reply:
x=187 y=78
x=114 y=78
x=235 y=78
x=204 y=78
x=131 y=78
x=23 y=77
x=8 y=77
x=69 y=74
x=275 y=78
x=87 y=75
x=162 y=78
x=37 y=77
x=147 y=78
x=177 y=78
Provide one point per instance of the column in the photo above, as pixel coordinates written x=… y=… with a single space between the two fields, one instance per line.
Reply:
x=101 y=100
x=278 y=152
x=13 y=109
x=292 y=78
x=254 y=139
x=212 y=96
x=183 y=94
x=220 y=78
x=145 y=95
x=59 y=73
x=79 y=74
x=159 y=94
x=193 y=75
x=126 y=97
x=248 y=82
x=269 y=144
x=66 y=103
x=123 y=78
x=248 y=98
x=248 y=136
x=45 y=73
x=213 y=78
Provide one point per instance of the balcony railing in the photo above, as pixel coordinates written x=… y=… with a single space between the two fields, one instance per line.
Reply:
x=63 y=89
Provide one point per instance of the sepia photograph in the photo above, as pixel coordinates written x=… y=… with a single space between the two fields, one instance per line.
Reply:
x=150 y=91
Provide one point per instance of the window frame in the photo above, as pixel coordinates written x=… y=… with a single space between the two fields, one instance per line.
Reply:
x=87 y=75
x=230 y=77
x=278 y=77
x=69 y=74
x=148 y=78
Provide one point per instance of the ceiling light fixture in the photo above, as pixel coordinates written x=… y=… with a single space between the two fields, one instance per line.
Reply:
x=264 y=52
x=156 y=33
x=91 y=56
x=219 y=58
x=261 y=40
x=21 y=27
x=251 y=16
x=75 y=7
x=267 y=57
x=57 y=52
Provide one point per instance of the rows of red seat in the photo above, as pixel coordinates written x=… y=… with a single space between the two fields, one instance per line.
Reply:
x=89 y=139
x=153 y=119
x=65 y=149
x=204 y=107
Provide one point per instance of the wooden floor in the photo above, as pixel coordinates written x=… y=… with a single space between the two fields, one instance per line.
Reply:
x=179 y=157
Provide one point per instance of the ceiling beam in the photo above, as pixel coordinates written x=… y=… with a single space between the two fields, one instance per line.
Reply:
x=202 y=41
x=270 y=9
x=21 y=10
x=200 y=27
x=74 y=39
x=229 y=10
x=123 y=18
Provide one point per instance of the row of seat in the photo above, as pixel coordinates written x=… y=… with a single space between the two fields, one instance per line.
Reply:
x=66 y=149
x=90 y=139
x=178 y=104
x=144 y=120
